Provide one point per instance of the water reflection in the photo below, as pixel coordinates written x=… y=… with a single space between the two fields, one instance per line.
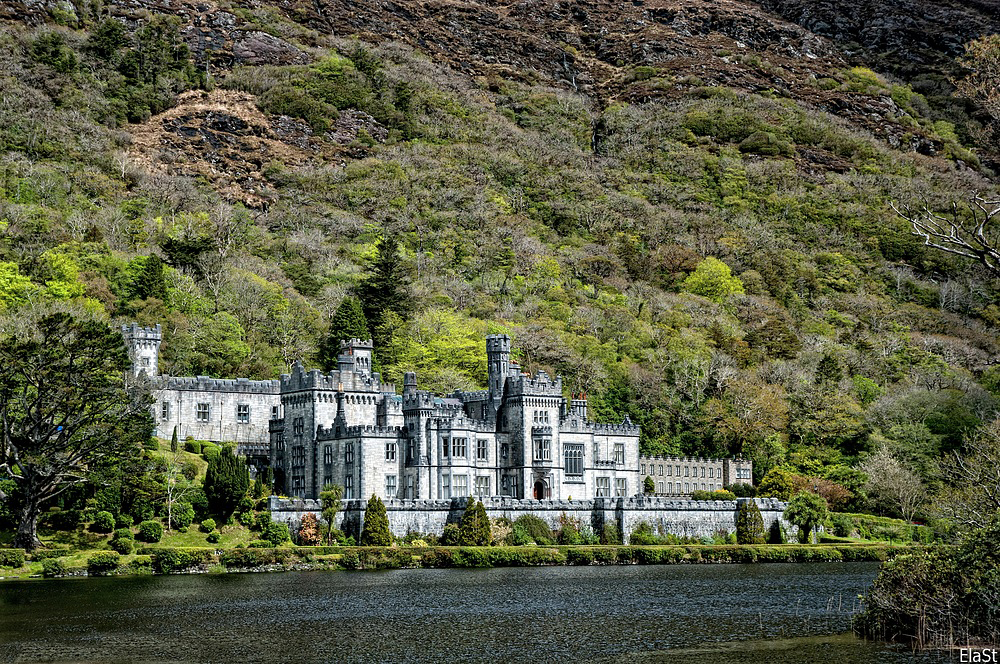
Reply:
x=692 y=613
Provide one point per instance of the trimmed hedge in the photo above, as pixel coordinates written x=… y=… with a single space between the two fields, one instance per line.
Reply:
x=167 y=560
x=11 y=557
x=103 y=563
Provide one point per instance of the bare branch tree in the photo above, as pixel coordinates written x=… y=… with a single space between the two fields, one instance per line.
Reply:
x=969 y=235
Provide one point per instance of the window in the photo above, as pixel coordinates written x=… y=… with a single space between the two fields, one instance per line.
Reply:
x=410 y=448
x=597 y=451
x=659 y=487
x=619 y=453
x=482 y=486
x=165 y=410
x=642 y=469
x=703 y=472
x=460 y=486
x=687 y=487
x=669 y=469
x=603 y=487
x=327 y=480
x=145 y=361
x=349 y=453
x=390 y=451
x=328 y=454
x=445 y=445
x=243 y=413
x=504 y=450
x=687 y=471
x=573 y=455
x=458 y=448
x=348 y=487
x=711 y=472
x=543 y=449
x=390 y=486
x=274 y=412
x=409 y=486
x=481 y=449
x=446 y=486
x=298 y=428
x=678 y=473
x=621 y=487
x=504 y=485
x=202 y=412
x=670 y=487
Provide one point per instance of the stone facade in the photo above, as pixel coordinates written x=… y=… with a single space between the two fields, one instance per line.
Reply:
x=520 y=438
x=679 y=476
x=678 y=517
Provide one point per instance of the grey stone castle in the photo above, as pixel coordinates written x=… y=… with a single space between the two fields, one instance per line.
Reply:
x=520 y=438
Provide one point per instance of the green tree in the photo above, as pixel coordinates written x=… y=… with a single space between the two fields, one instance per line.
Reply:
x=348 y=322
x=226 y=482
x=174 y=445
x=714 y=280
x=14 y=286
x=66 y=410
x=778 y=483
x=329 y=499
x=749 y=523
x=151 y=282
x=648 y=486
x=475 y=527
x=807 y=510
x=376 y=527
x=384 y=287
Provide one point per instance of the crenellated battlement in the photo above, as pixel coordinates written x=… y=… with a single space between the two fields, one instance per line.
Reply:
x=357 y=431
x=206 y=384
x=336 y=380
x=541 y=384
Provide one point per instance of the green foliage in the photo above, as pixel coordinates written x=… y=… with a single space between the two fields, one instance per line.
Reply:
x=226 y=482
x=778 y=483
x=648 y=486
x=103 y=563
x=150 y=531
x=806 y=510
x=474 y=529
x=384 y=287
x=181 y=516
x=749 y=523
x=348 y=323
x=213 y=537
x=330 y=499
x=276 y=533
x=207 y=526
x=11 y=557
x=52 y=568
x=529 y=528
x=104 y=522
x=775 y=533
x=721 y=494
x=375 y=531
x=714 y=280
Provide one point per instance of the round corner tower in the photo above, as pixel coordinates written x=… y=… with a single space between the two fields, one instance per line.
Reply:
x=143 y=345
x=498 y=359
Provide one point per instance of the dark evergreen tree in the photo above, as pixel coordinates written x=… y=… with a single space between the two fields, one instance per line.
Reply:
x=384 y=287
x=348 y=322
x=648 y=487
x=828 y=370
x=749 y=523
x=151 y=282
x=376 y=527
x=475 y=527
x=226 y=482
x=174 y=446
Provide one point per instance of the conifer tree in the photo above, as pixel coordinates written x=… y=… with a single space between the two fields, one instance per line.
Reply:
x=749 y=523
x=174 y=446
x=376 y=527
x=330 y=502
x=348 y=322
x=226 y=482
x=384 y=287
x=648 y=487
x=151 y=281
x=475 y=527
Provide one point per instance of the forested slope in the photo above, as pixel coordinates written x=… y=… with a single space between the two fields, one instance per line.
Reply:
x=682 y=208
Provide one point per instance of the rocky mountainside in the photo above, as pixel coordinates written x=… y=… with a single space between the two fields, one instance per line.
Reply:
x=562 y=171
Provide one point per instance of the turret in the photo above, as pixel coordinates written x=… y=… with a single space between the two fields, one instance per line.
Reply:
x=498 y=359
x=356 y=354
x=143 y=345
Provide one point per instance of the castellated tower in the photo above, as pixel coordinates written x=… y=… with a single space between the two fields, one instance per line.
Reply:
x=498 y=359
x=143 y=345
x=356 y=355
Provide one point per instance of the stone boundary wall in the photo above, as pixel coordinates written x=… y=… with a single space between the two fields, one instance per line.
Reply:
x=691 y=518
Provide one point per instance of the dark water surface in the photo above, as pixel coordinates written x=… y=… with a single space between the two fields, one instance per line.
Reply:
x=773 y=613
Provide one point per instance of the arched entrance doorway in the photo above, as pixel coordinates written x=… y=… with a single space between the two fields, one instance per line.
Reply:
x=540 y=490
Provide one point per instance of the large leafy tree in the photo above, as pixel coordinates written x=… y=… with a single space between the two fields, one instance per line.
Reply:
x=807 y=510
x=66 y=410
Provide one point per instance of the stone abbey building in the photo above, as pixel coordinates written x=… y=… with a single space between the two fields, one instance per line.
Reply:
x=520 y=438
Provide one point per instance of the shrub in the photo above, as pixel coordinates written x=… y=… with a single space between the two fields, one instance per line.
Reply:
x=749 y=523
x=123 y=546
x=103 y=563
x=207 y=526
x=181 y=516
x=569 y=531
x=722 y=494
x=261 y=521
x=124 y=521
x=451 y=535
x=309 y=534
x=742 y=490
x=643 y=535
x=213 y=537
x=104 y=522
x=150 y=532
x=475 y=527
x=193 y=446
x=580 y=557
x=536 y=530
x=53 y=567
x=841 y=525
x=776 y=534
x=610 y=533
x=11 y=557
x=247 y=519
x=276 y=533
x=260 y=544
x=226 y=482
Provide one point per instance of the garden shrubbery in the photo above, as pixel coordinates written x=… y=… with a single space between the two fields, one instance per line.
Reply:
x=150 y=532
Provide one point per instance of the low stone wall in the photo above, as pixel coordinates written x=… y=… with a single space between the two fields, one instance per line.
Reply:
x=691 y=518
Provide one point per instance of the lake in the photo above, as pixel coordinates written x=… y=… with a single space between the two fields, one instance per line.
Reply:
x=772 y=613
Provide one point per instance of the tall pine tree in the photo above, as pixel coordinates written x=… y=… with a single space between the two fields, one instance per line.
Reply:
x=475 y=527
x=376 y=528
x=384 y=287
x=348 y=322
x=226 y=482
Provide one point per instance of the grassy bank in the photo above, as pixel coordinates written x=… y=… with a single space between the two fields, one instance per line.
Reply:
x=168 y=560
